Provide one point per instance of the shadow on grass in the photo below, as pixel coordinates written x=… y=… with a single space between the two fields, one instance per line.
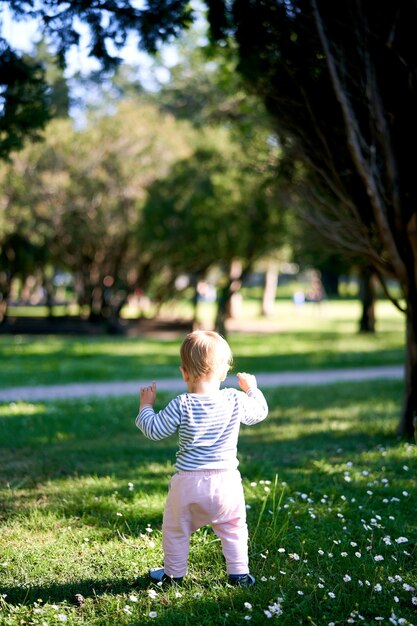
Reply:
x=89 y=588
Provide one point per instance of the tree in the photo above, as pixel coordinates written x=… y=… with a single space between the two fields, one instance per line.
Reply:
x=340 y=83
x=24 y=107
x=79 y=194
x=205 y=89
x=213 y=209
x=23 y=100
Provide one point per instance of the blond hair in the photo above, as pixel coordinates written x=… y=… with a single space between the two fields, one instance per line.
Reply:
x=204 y=353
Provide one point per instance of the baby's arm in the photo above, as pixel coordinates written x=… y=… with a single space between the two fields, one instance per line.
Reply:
x=255 y=407
x=156 y=425
x=246 y=381
x=147 y=396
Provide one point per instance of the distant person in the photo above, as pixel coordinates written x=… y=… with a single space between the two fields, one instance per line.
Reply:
x=316 y=291
x=298 y=297
x=207 y=488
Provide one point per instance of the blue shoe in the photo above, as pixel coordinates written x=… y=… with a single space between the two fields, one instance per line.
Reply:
x=158 y=576
x=241 y=580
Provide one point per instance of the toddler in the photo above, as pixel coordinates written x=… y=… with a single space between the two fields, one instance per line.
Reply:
x=207 y=487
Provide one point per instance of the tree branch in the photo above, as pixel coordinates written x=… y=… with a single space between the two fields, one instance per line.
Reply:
x=354 y=138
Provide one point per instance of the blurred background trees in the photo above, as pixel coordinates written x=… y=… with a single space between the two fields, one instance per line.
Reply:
x=312 y=103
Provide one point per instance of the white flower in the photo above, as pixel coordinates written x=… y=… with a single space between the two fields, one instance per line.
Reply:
x=119 y=514
x=248 y=605
x=378 y=587
x=320 y=552
x=294 y=556
x=378 y=557
x=401 y=540
x=264 y=579
x=300 y=593
x=358 y=555
x=61 y=617
x=405 y=493
x=131 y=486
x=347 y=578
x=248 y=617
x=331 y=594
x=198 y=595
x=275 y=608
x=268 y=614
x=133 y=598
x=152 y=594
x=344 y=554
x=153 y=614
x=127 y=609
x=408 y=587
x=414 y=600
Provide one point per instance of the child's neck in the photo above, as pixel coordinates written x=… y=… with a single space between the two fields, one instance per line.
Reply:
x=203 y=386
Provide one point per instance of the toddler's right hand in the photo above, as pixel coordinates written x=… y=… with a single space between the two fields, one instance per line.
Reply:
x=246 y=381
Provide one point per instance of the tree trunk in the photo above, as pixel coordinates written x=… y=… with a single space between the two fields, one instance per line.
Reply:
x=367 y=293
x=270 y=288
x=5 y=287
x=330 y=282
x=225 y=294
x=195 y=283
x=222 y=308
x=3 y=309
x=408 y=422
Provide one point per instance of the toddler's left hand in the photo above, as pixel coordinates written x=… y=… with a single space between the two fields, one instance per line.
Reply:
x=147 y=395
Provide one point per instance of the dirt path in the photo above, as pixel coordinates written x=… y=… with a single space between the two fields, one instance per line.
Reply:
x=120 y=388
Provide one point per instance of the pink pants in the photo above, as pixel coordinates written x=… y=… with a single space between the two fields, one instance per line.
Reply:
x=199 y=498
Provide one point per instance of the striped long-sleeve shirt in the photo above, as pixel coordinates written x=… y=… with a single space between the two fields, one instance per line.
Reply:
x=207 y=425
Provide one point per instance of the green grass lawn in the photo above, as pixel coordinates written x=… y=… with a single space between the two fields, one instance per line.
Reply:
x=313 y=337
x=331 y=493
